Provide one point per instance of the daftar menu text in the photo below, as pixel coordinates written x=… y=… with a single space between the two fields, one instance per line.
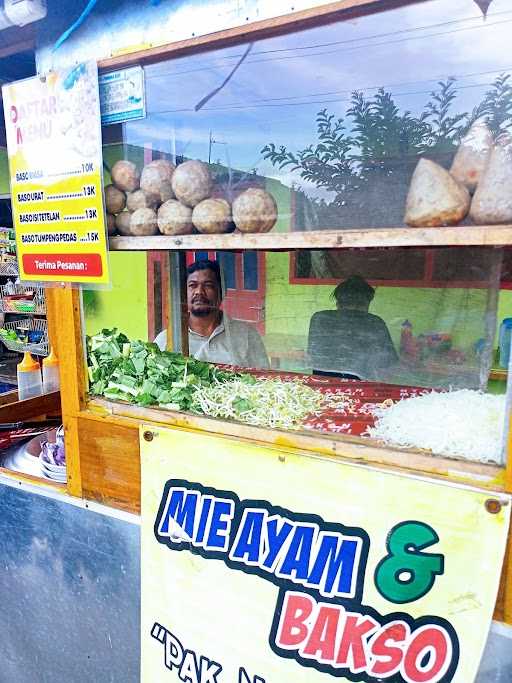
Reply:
x=55 y=162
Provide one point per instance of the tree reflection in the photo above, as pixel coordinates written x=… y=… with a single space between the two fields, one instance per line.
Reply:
x=363 y=162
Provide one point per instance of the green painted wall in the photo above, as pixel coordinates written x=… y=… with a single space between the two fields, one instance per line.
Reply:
x=125 y=305
x=4 y=172
x=290 y=307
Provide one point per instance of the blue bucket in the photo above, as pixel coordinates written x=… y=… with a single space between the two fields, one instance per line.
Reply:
x=504 y=342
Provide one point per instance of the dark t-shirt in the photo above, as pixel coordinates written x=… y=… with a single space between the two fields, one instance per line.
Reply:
x=350 y=341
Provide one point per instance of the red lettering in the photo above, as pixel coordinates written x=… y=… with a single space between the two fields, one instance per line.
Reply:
x=388 y=657
x=14 y=114
x=356 y=627
x=430 y=643
x=297 y=609
x=322 y=640
x=325 y=633
x=19 y=137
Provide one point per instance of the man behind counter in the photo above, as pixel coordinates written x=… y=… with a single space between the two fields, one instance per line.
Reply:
x=350 y=342
x=212 y=336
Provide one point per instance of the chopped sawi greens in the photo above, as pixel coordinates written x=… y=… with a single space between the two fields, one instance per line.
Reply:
x=138 y=372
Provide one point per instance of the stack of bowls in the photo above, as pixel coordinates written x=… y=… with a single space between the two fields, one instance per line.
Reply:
x=52 y=458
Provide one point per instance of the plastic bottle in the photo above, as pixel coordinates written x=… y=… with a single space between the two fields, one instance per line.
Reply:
x=51 y=379
x=29 y=378
x=406 y=338
x=504 y=341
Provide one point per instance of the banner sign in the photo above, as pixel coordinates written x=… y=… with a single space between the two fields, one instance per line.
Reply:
x=56 y=169
x=266 y=566
x=122 y=95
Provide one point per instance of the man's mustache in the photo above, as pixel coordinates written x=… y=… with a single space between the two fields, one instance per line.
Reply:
x=201 y=300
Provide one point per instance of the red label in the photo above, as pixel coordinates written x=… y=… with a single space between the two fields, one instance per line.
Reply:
x=81 y=265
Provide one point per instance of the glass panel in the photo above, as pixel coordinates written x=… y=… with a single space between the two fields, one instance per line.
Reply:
x=472 y=267
x=227 y=259
x=362 y=349
x=331 y=121
x=323 y=129
x=250 y=264
x=376 y=264
x=433 y=336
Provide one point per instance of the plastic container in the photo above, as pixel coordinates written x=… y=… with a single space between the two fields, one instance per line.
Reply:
x=406 y=338
x=29 y=378
x=504 y=342
x=51 y=378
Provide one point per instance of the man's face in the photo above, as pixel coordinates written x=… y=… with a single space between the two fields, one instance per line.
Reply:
x=203 y=295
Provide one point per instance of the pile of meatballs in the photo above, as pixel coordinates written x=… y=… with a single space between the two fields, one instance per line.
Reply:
x=177 y=200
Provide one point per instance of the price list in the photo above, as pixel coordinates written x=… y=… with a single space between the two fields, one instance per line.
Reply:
x=55 y=162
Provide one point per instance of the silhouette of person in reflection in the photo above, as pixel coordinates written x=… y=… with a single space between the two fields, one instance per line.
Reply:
x=350 y=342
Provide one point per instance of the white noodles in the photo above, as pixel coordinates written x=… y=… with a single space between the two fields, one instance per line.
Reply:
x=465 y=424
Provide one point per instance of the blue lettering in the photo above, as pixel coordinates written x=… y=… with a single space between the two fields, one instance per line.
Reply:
x=276 y=539
x=334 y=563
x=220 y=524
x=201 y=528
x=180 y=507
x=248 y=541
x=296 y=561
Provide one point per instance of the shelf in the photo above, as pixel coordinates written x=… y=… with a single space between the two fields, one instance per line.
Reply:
x=36 y=306
x=360 y=449
x=41 y=348
x=9 y=269
x=475 y=235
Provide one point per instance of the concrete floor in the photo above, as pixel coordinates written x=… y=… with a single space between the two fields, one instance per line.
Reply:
x=496 y=666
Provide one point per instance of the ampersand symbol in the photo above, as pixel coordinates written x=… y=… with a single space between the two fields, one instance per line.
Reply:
x=406 y=573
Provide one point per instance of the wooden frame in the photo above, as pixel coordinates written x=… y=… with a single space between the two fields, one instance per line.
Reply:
x=161 y=260
x=267 y=28
x=102 y=438
x=467 y=236
x=426 y=281
x=65 y=303
x=17 y=39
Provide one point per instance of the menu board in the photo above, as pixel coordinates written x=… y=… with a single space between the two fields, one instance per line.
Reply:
x=55 y=162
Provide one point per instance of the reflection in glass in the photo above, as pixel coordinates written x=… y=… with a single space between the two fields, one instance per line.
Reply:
x=332 y=120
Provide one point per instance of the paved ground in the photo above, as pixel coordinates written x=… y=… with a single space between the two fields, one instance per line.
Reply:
x=496 y=666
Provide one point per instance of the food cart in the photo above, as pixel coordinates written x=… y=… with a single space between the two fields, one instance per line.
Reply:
x=352 y=482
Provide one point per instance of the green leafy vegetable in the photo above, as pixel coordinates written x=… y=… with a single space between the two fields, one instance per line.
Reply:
x=138 y=372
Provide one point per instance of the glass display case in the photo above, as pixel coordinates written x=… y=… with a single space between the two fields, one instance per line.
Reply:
x=343 y=128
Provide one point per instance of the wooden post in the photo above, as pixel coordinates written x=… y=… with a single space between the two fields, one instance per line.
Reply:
x=65 y=330
x=177 y=329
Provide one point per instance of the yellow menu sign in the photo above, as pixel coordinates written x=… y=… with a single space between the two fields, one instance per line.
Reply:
x=267 y=565
x=55 y=163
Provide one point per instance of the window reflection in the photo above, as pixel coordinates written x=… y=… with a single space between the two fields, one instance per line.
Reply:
x=332 y=120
